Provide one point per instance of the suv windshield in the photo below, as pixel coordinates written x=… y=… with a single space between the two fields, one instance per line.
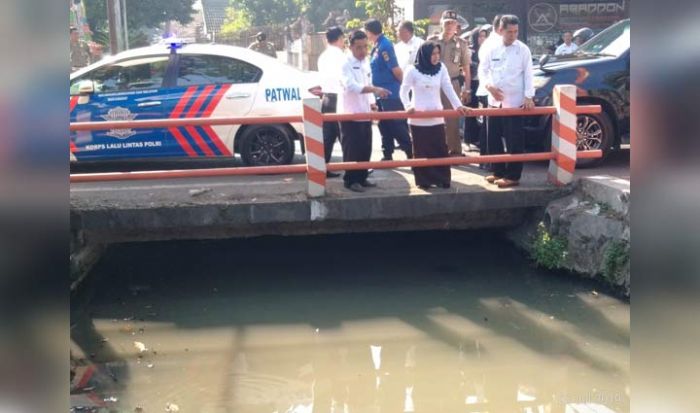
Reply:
x=612 y=41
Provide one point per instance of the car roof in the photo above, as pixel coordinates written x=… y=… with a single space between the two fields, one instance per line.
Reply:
x=241 y=53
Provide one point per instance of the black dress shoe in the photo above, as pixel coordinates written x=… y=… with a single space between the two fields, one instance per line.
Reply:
x=387 y=158
x=330 y=174
x=444 y=185
x=356 y=187
x=368 y=184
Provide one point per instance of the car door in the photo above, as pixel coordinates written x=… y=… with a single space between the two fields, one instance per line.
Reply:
x=204 y=86
x=130 y=89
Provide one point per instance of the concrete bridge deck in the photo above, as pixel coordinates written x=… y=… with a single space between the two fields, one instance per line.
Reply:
x=261 y=205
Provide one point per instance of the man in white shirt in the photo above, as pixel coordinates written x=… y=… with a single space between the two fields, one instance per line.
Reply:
x=407 y=47
x=357 y=97
x=494 y=38
x=330 y=66
x=506 y=71
x=481 y=92
x=568 y=47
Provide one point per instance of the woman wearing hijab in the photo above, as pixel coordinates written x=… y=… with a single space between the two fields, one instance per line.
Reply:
x=425 y=80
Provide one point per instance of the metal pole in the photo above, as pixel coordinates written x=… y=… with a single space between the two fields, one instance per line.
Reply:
x=113 y=43
x=125 y=26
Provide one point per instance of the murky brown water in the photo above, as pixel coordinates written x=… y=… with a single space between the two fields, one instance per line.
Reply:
x=431 y=322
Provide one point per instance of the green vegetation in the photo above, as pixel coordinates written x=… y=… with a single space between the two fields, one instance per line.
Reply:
x=141 y=14
x=236 y=21
x=384 y=11
x=548 y=251
x=616 y=258
x=420 y=27
x=244 y=14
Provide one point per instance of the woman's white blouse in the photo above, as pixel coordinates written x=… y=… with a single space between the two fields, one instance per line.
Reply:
x=426 y=93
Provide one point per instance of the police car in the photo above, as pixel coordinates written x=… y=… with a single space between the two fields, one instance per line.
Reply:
x=175 y=80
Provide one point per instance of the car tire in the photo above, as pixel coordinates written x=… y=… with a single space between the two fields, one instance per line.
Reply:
x=266 y=145
x=594 y=131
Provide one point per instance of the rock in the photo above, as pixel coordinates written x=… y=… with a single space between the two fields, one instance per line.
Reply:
x=594 y=223
x=199 y=191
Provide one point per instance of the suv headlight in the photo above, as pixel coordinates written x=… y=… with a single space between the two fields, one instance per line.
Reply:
x=540 y=81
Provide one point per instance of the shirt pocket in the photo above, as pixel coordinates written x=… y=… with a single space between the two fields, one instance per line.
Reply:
x=498 y=64
x=513 y=63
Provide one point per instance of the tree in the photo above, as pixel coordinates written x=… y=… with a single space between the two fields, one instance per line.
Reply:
x=420 y=27
x=266 y=12
x=151 y=13
x=236 y=21
x=141 y=13
x=383 y=10
x=318 y=10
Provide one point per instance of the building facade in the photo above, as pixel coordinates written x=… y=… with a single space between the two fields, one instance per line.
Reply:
x=542 y=21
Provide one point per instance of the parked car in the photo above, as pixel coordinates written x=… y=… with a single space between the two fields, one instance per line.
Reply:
x=600 y=69
x=190 y=80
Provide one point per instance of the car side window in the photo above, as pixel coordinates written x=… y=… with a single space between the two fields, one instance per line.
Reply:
x=209 y=69
x=126 y=75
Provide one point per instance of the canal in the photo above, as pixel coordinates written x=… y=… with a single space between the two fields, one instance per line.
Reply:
x=401 y=322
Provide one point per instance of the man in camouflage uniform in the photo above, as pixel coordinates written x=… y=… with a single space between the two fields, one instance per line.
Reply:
x=263 y=46
x=79 y=51
x=454 y=53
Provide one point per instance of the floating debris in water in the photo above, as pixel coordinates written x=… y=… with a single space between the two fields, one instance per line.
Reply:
x=140 y=346
x=595 y=293
x=172 y=407
x=111 y=399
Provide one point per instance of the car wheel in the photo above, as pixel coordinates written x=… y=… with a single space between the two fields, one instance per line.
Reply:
x=594 y=131
x=266 y=145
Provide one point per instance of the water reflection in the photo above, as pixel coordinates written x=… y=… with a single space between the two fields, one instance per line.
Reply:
x=469 y=328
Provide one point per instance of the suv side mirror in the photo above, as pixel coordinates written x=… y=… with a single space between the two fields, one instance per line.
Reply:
x=543 y=61
x=86 y=87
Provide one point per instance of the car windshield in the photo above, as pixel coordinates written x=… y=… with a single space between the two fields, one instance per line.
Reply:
x=612 y=41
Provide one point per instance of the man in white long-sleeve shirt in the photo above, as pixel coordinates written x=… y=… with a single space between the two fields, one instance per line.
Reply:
x=568 y=47
x=330 y=66
x=407 y=46
x=493 y=39
x=357 y=97
x=506 y=71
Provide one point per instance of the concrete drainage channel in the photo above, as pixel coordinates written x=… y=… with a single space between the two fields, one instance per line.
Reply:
x=583 y=229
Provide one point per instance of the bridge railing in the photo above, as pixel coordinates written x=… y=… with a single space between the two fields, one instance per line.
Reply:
x=562 y=156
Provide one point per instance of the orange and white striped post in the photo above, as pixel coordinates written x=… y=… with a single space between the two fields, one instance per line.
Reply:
x=313 y=141
x=563 y=164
